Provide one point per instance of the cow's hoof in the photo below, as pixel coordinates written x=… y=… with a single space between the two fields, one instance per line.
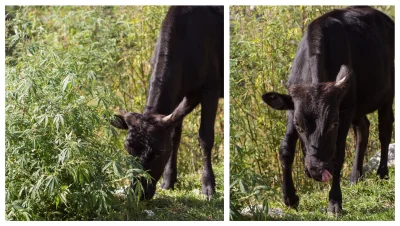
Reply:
x=167 y=185
x=334 y=209
x=208 y=191
x=291 y=201
x=383 y=172
x=354 y=179
x=208 y=184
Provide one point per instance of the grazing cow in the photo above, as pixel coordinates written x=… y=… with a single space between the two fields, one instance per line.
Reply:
x=187 y=71
x=343 y=70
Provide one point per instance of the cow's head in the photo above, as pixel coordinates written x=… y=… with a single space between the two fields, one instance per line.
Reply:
x=149 y=139
x=316 y=118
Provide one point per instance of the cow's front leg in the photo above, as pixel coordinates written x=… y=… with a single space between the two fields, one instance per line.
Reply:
x=174 y=120
x=209 y=105
x=286 y=156
x=335 y=194
x=170 y=171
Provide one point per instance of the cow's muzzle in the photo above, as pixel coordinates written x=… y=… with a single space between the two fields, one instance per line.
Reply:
x=319 y=171
x=149 y=189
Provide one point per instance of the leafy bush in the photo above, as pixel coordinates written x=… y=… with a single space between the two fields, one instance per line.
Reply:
x=263 y=45
x=68 y=69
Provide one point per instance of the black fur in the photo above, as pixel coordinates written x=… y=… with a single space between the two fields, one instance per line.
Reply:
x=187 y=71
x=357 y=44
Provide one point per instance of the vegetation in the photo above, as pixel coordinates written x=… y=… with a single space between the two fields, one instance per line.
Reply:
x=68 y=69
x=371 y=199
x=263 y=43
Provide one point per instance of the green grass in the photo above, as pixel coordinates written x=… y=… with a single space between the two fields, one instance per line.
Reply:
x=186 y=202
x=368 y=200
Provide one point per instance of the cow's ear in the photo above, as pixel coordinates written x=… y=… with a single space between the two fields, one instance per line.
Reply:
x=119 y=122
x=278 y=101
x=343 y=77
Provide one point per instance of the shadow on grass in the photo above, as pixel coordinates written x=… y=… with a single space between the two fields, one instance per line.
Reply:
x=185 y=202
x=188 y=207
x=365 y=214
x=377 y=210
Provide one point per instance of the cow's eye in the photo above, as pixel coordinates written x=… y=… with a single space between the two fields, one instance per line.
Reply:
x=157 y=154
x=298 y=128
x=333 y=125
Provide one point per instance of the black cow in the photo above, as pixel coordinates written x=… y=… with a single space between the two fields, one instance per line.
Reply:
x=187 y=71
x=343 y=70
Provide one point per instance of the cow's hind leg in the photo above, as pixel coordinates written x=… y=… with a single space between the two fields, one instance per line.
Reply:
x=209 y=105
x=170 y=171
x=286 y=156
x=386 y=119
x=362 y=132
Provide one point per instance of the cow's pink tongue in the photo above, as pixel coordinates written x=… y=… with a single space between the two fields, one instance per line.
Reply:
x=326 y=176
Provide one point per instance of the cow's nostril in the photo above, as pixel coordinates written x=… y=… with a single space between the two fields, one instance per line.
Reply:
x=326 y=176
x=307 y=172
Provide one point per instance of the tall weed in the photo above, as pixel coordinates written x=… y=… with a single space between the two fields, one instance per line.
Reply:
x=68 y=69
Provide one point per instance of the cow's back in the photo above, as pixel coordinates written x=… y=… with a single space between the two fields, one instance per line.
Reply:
x=188 y=55
x=361 y=37
x=203 y=52
x=371 y=35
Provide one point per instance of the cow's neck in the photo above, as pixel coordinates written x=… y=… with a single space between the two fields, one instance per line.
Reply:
x=165 y=87
x=166 y=79
x=307 y=66
x=316 y=69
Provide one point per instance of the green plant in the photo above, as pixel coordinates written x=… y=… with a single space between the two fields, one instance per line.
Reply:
x=68 y=69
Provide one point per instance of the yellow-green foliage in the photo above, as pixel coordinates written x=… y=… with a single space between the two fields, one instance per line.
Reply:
x=68 y=69
x=263 y=43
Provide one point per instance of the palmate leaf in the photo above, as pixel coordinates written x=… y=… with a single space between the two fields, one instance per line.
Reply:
x=242 y=187
x=26 y=215
x=91 y=75
x=52 y=183
x=64 y=155
x=105 y=200
x=83 y=174
x=36 y=187
x=57 y=150
x=113 y=131
x=58 y=120
x=43 y=118
x=69 y=79
x=107 y=165
x=233 y=184
x=116 y=168
x=64 y=192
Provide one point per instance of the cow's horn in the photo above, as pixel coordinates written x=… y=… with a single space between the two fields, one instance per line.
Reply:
x=166 y=118
x=341 y=82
